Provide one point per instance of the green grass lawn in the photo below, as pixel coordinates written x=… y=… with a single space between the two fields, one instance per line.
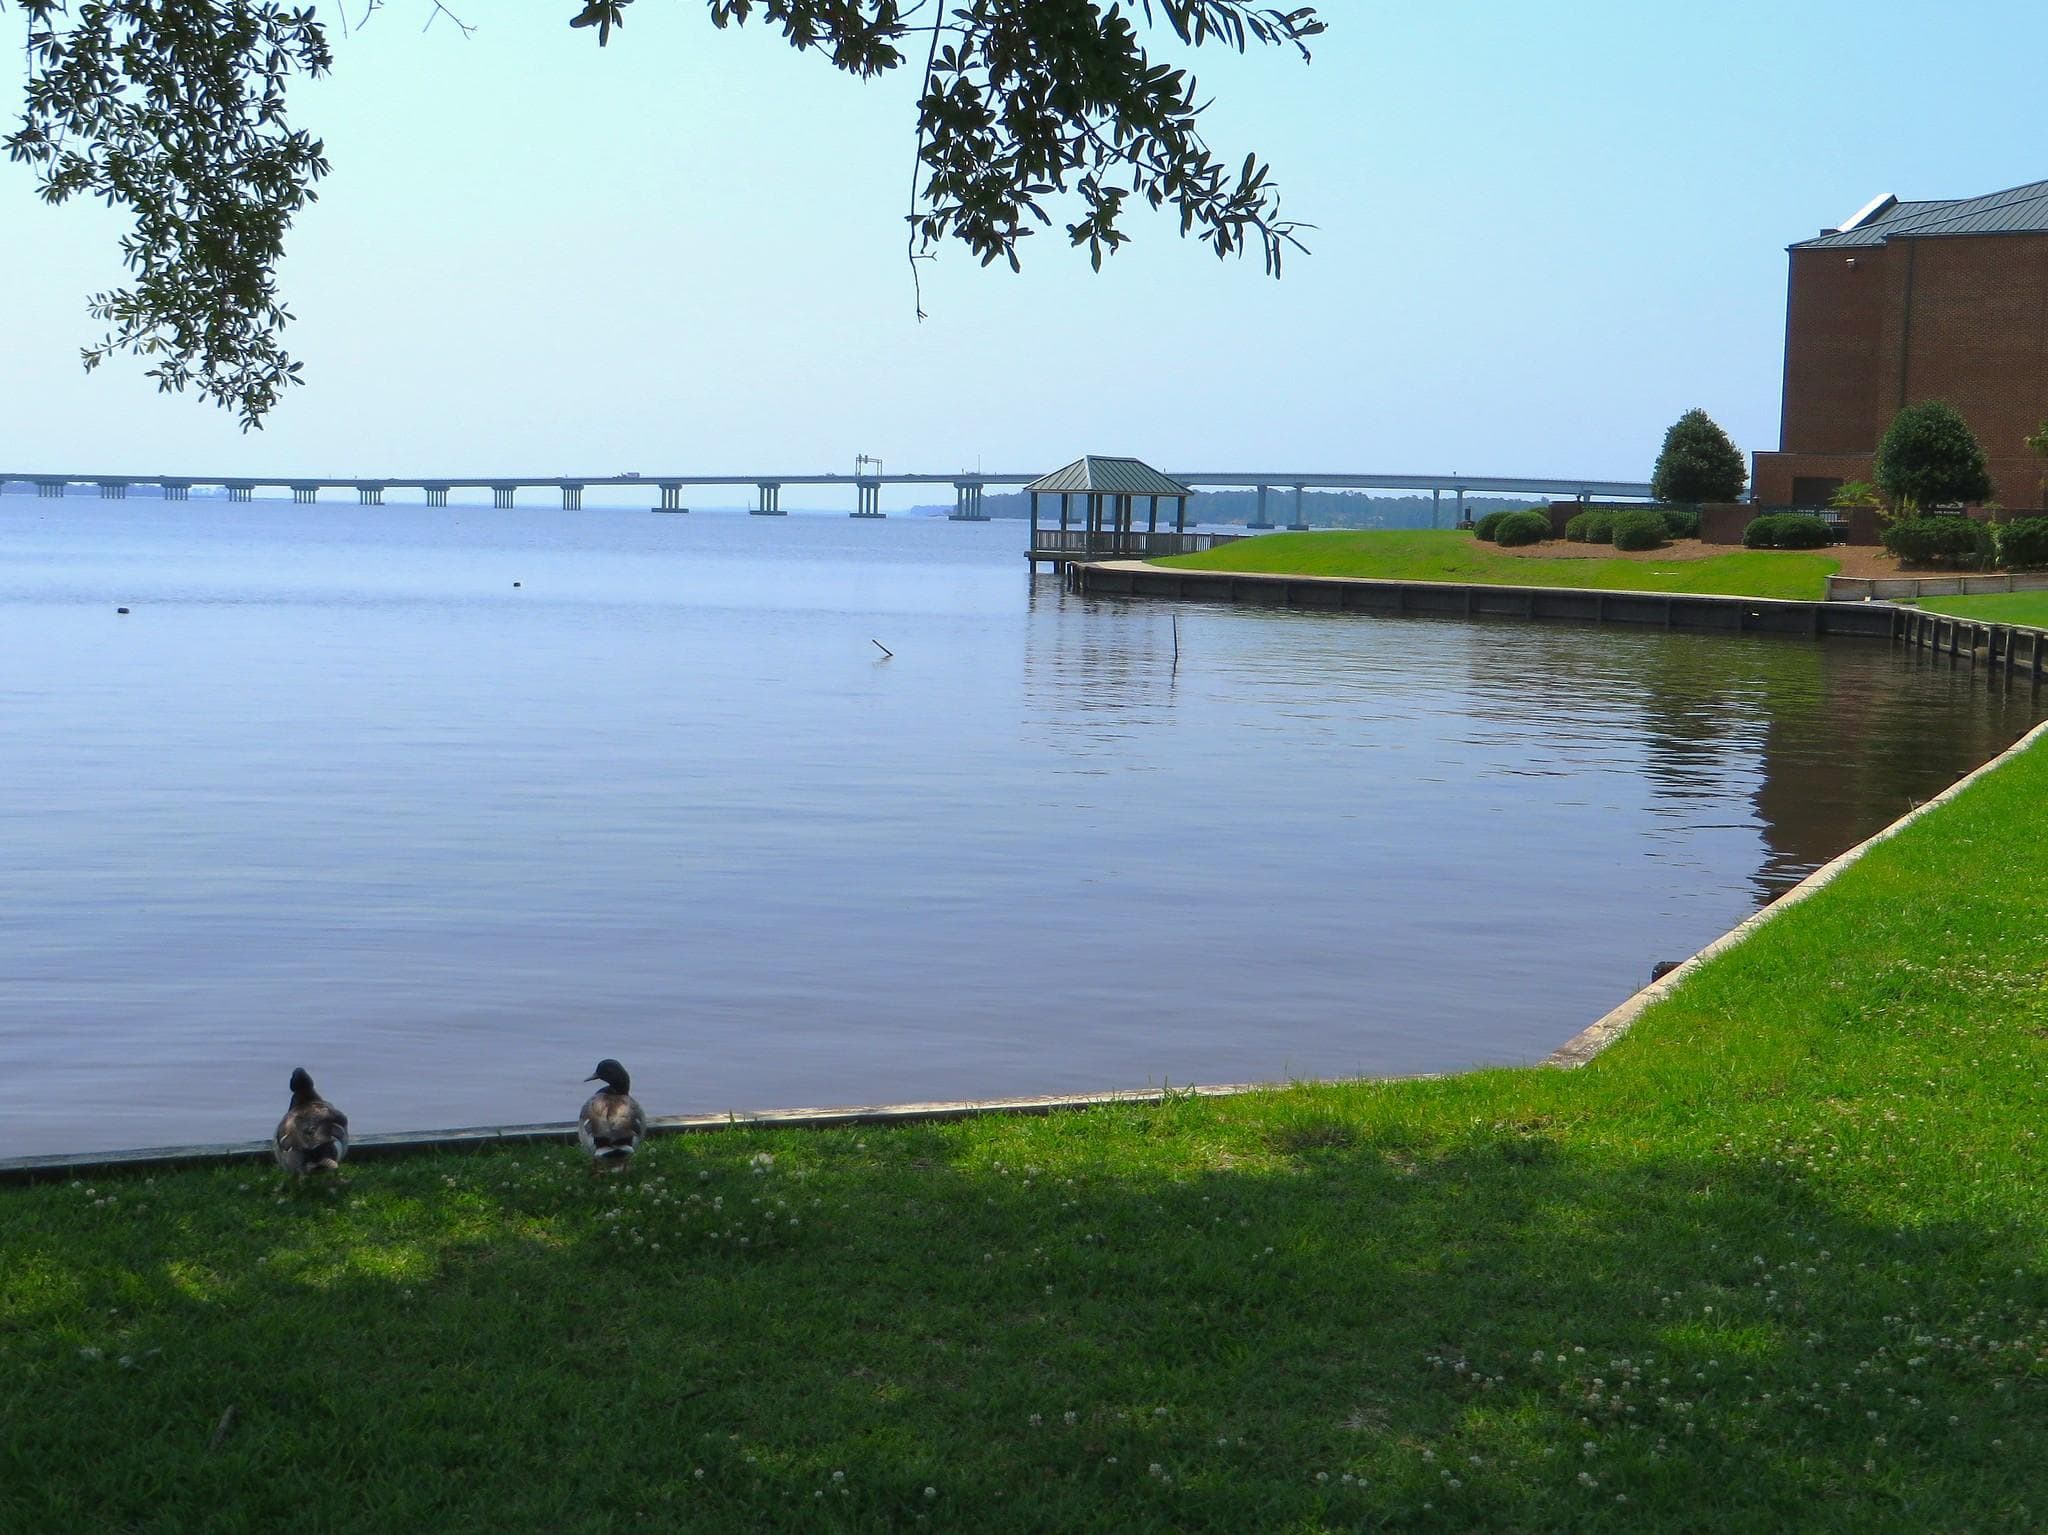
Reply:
x=1995 y=608
x=1444 y=555
x=1776 y=1261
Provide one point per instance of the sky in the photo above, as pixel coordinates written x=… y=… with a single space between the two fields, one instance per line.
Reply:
x=1542 y=232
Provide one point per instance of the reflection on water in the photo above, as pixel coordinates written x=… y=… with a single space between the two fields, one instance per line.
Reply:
x=336 y=792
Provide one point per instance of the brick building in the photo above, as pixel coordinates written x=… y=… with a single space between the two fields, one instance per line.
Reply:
x=1913 y=301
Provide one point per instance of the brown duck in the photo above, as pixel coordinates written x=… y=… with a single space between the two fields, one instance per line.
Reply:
x=612 y=1123
x=313 y=1135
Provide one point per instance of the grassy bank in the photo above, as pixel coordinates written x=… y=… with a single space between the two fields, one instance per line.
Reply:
x=1995 y=607
x=1443 y=555
x=1775 y=1261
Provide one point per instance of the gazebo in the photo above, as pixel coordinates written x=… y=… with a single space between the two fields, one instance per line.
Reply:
x=1109 y=490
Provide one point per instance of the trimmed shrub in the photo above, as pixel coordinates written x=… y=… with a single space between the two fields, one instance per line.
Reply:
x=1698 y=462
x=1680 y=521
x=1591 y=528
x=2023 y=545
x=1639 y=530
x=1787 y=530
x=1958 y=543
x=1485 y=527
x=1929 y=457
x=1521 y=528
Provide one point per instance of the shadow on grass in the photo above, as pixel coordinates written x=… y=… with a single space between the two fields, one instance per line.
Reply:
x=1171 y=1319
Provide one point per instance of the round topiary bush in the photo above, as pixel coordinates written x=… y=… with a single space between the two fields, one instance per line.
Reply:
x=1486 y=526
x=1958 y=543
x=1639 y=530
x=1680 y=521
x=1518 y=528
x=1787 y=530
x=1595 y=527
x=2023 y=545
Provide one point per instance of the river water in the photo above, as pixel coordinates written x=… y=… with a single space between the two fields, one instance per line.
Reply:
x=445 y=804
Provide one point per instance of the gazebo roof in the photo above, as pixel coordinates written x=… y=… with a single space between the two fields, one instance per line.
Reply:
x=1097 y=474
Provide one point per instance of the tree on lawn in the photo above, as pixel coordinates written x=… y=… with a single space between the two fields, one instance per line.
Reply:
x=1930 y=457
x=176 y=110
x=1699 y=462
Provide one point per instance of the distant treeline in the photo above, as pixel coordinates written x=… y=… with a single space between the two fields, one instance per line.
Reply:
x=1324 y=508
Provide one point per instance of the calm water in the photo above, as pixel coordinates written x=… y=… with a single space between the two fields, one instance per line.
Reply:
x=336 y=793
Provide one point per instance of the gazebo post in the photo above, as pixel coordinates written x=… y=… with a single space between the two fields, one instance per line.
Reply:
x=1034 y=522
x=1064 y=498
x=1152 y=514
x=1180 y=514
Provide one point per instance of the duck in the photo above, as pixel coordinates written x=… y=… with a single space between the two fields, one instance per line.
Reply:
x=612 y=1121
x=313 y=1135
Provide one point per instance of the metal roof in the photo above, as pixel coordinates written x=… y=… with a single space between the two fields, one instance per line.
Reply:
x=2016 y=210
x=1110 y=476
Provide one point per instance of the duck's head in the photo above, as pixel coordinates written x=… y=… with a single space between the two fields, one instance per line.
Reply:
x=302 y=1084
x=611 y=1074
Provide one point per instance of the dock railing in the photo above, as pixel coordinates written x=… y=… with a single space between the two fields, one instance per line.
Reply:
x=1062 y=543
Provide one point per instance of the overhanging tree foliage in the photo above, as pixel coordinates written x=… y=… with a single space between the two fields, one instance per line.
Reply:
x=1698 y=462
x=1930 y=457
x=176 y=110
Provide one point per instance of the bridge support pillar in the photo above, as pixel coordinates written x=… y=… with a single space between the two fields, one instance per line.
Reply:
x=967 y=502
x=113 y=490
x=241 y=492
x=1300 y=523
x=177 y=490
x=672 y=497
x=502 y=496
x=1461 y=506
x=572 y=498
x=369 y=495
x=868 y=501
x=437 y=495
x=769 y=503
x=1261 y=520
x=305 y=495
x=50 y=490
x=1436 y=507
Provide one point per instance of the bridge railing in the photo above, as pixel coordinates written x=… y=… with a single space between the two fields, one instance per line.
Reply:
x=1145 y=545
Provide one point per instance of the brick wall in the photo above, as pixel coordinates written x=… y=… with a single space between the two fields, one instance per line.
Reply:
x=1833 y=323
x=1961 y=318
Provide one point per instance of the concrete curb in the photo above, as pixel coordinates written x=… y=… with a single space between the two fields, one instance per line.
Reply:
x=1590 y=1041
x=372 y=1147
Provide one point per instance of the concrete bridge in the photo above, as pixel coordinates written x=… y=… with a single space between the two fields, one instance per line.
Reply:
x=667 y=489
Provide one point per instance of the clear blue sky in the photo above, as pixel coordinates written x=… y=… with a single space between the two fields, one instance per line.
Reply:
x=1543 y=232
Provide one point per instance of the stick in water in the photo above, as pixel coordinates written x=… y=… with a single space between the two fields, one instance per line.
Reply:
x=885 y=650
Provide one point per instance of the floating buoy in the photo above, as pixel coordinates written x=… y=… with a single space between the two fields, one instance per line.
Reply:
x=120 y=610
x=515 y=583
